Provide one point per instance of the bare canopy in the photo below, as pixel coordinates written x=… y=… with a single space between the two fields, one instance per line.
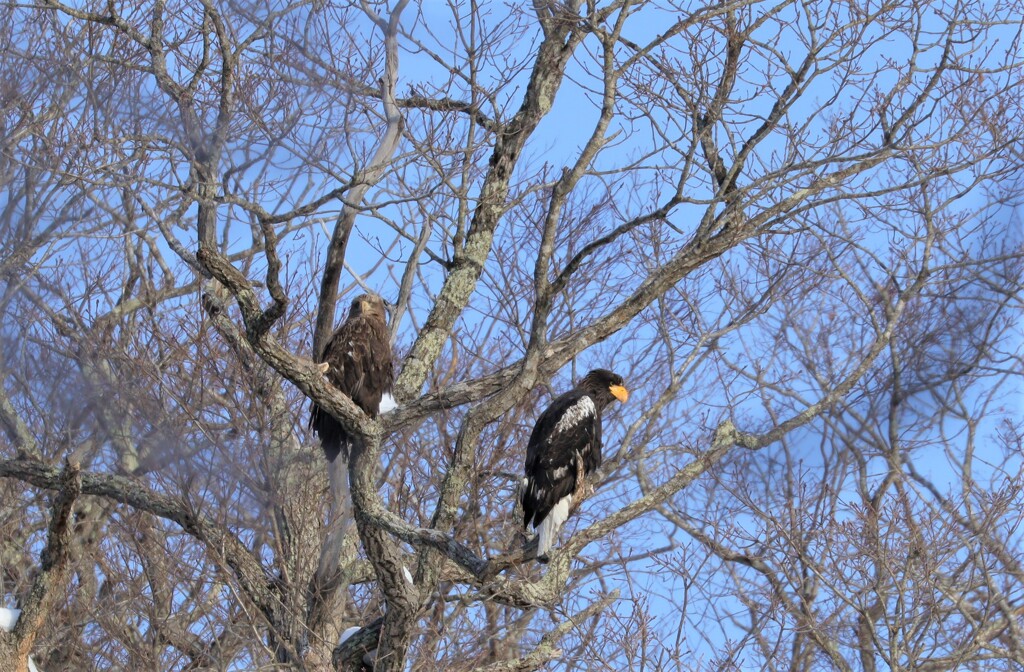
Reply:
x=792 y=228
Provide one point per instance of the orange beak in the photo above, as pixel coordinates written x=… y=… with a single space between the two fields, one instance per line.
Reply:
x=619 y=392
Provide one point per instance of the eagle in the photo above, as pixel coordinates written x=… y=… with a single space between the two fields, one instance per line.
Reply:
x=357 y=360
x=564 y=447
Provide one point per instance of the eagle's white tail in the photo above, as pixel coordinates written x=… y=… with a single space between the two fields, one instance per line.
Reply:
x=387 y=403
x=9 y=618
x=547 y=533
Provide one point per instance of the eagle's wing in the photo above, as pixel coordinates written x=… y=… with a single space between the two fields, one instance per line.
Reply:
x=567 y=430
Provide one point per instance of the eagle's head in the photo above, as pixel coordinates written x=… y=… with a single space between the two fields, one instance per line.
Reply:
x=605 y=386
x=369 y=305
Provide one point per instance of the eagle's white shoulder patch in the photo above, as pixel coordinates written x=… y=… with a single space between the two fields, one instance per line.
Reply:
x=575 y=414
x=348 y=633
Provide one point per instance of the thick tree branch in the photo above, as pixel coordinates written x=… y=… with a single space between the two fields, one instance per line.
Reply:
x=561 y=38
x=55 y=564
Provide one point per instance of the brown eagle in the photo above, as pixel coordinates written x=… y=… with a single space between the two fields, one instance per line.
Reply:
x=564 y=448
x=358 y=362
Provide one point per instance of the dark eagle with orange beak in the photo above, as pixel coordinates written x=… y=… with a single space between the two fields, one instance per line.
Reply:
x=357 y=360
x=564 y=448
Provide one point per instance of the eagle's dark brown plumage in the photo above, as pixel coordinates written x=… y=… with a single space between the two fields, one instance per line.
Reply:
x=359 y=363
x=564 y=448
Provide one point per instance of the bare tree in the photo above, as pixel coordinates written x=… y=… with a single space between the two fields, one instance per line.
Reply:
x=793 y=228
